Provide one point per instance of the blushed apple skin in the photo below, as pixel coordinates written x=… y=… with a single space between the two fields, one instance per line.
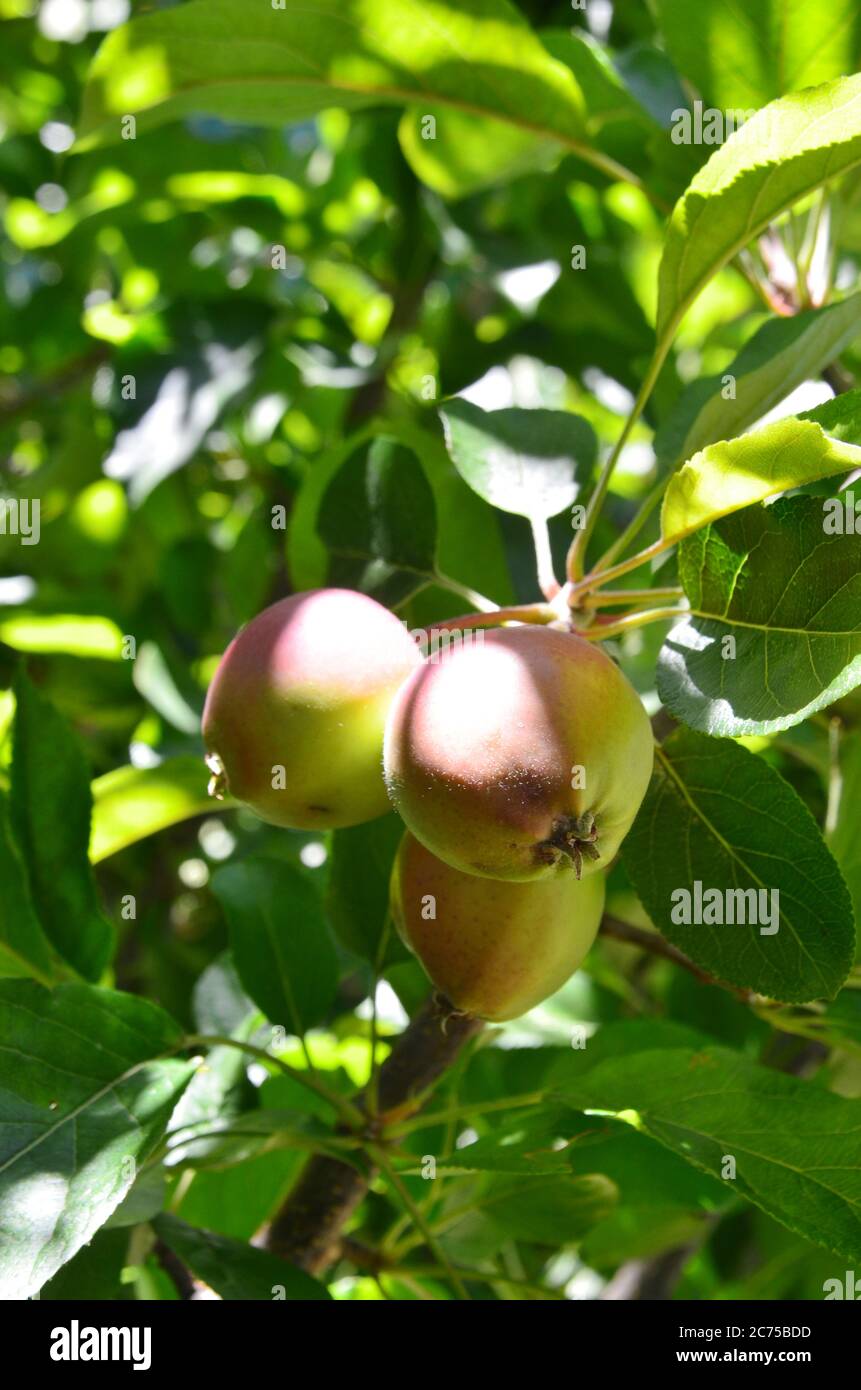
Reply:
x=480 y=749
x=307 y=686
x=495 y=949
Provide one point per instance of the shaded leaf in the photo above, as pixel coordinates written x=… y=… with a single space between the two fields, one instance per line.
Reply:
x=718 y=815
x=523 y=1145
x=146 y=1197
x=51 y=805
x=171 y=425
x=844 y=839
x=24 y=947
x=281 y=948
x=214 y=1098
x=378 y=520
x=93 y=1275
x=549 y=1210
x=358 y=895
x=469 y=541
x=711 y=1104
x=234 y=1270
x=467 y=153
x=219 y=1001
x=781 y=355
x=237 y=1200
x=225 y=1140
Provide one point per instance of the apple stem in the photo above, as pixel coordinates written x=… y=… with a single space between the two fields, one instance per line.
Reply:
x=217 y=785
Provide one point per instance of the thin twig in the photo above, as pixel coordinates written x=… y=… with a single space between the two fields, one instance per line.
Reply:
x=381 y=1158
x=658 y=946
x=602 y=631
x=348 y=1112
x=610 y=598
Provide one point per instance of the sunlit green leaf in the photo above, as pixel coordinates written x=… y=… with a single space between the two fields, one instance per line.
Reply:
x=774 y=631
x=744 y=58
x=531 y=462
x=270 y=66
x=131 y=803
x=727 y=477
x=788 y=149
x=88 y=1092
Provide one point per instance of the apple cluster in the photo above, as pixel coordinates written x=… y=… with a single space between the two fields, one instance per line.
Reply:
x=517 y=764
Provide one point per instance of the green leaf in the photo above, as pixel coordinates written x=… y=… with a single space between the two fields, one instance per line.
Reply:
x=272 y=67
x=523 y=1145
x=608 y=99
x=236 y=1201
x=227 y=1140
x=774 y=632
x=94 y=1275
x=640 y=1233
x=219 y=1001
x=781 y=355
x=663 y=1201
x=85 y=635
x=478 y=1218
x=719 y=816
x=358 y=895
x=630 y=100
x=746 y=57
x=234 y=1270
x=87 y=1095
x=378 y=520
x=24 y=947
x=840 y=417
x=711 y=1104
x=466 y=153
x=51 y=804
x=838 y=1025
x=844 y=838
x=841 y=1022
x=530 y=462
x=283 y=953
x=211 y=1101
x=787 y=150
x=469 y=543
x=726 y=477
x=647 y=1175
x=146 y=1196
x=155 y=683
x=550 y=1210
x=131 y=803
